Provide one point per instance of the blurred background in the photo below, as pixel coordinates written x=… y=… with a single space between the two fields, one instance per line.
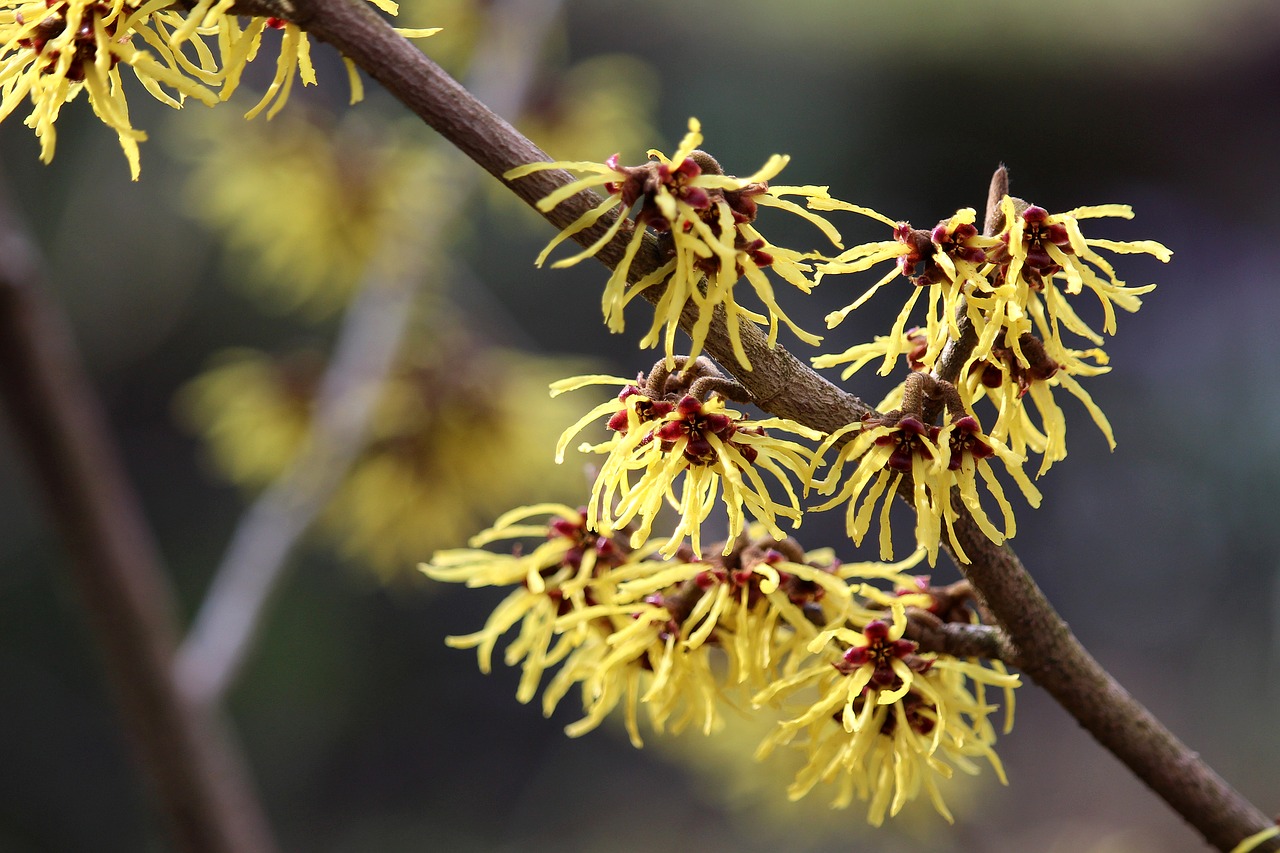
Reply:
x=209 y=297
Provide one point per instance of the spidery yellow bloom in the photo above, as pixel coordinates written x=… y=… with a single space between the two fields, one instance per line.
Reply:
x=51 y=52
x=898 y=444
x=1047 y=258
x=677 y=427
x=947 y=262
x=1005 y=381
x=631 y=631
x=706 y=226
x=887 y=720
x=550 y=580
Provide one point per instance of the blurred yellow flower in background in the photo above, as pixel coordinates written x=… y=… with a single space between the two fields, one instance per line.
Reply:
x=458 y=432
x=306 y=206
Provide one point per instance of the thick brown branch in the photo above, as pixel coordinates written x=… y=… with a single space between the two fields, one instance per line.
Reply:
x=784 y=386
x=195 y=771
x=1054 y=659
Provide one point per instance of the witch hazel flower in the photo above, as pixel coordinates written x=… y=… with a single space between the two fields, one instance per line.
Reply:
x=549 y=581
x=884 y=721
x=1008 y=377
x=947 y=262
x=50 y=52
x=675 y=440
x=705 y=222
x=899 y=447
x=1046 y=259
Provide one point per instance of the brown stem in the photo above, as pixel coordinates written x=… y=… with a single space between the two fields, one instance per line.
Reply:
x=786 y=387
x=195 y=770
x=1054 y=659
x=961 y=639
x=957 y=350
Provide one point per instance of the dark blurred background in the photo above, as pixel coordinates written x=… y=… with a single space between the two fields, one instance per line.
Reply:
x=365 y=733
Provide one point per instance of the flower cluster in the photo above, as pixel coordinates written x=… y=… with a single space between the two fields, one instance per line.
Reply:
x=1012 y=293
x=760 y=621
x=899 y=449
x=51 y=50
x=680 y=628
x=705 y=222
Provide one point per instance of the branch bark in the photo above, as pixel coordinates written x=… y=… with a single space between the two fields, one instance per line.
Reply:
x=784 y=386
x=195 y=770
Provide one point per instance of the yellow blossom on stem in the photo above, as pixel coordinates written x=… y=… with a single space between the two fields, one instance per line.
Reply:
x=948 y=262
x=52 y=51
x=913 y=342
x=240 y=43
x=677 y=427
x=887 y=721
x=1004 y=379
x=632 y=631
x=550 y=580
x=706 y=226
x=898 y=445
x=1038 y=249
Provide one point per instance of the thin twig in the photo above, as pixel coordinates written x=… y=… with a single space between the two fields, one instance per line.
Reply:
x=963 y=640
x=196 y=772
x=255 y=564
x=781 y=384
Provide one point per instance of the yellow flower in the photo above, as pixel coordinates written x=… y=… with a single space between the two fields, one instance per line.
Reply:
x=705 y=220
x=1004 y=379
x=253 y=412
x=898 y=444
x=50 y=52
x=948 y=261
x=680 y=425
x=759 y=604
x=455 y=435
x=631 y=632
x=904 y=718
x=308 y=209
x=240 y=44
x=912 y=342
x=1039 y=251
x=550 y=580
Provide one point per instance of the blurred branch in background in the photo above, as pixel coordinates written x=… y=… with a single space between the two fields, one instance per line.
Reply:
x=255 y=563
x=195 y=770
